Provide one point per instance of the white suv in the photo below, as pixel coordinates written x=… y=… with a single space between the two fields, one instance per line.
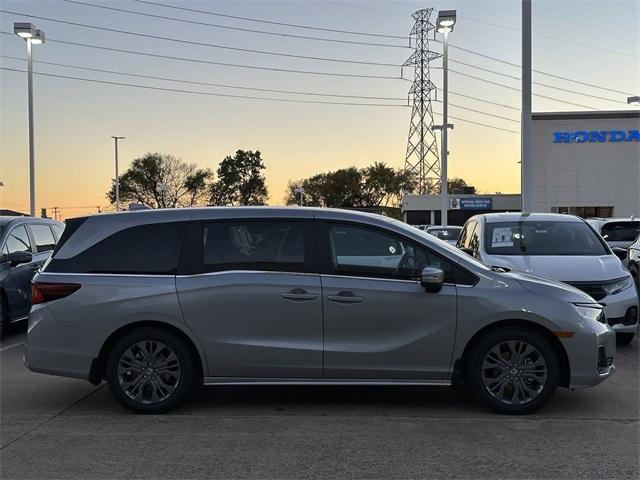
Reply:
x=561 y=247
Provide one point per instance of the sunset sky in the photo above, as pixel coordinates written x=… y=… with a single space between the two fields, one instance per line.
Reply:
x=592 y=42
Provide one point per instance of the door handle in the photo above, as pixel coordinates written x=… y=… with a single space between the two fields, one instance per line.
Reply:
x=345 y=297
x=299 y=294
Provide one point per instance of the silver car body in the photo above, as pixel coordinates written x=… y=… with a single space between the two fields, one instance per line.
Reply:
x=583 y=271
x=281 y=327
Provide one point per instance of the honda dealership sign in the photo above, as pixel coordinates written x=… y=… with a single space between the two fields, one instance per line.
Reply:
x=596 y=136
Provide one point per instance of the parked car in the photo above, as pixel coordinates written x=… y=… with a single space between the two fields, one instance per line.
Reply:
x=25 y=244
x=558 y=246
x=447 y=234
x=157 y=301
x=618 y=232
x=633 y=259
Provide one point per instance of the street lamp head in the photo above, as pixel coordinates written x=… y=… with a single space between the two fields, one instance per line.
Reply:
x=446 y=20
x=633 y=100
x=38 y=38
x=24 y=29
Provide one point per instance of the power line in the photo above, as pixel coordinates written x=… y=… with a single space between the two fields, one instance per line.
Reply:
x=152 y=77
x=517 y=90
x=222 y=85
x=248 y=19
x=503 y=27
x=203 y=44
x=212 y=62
x=515 y=77
x=175 y=90
x=229 y=27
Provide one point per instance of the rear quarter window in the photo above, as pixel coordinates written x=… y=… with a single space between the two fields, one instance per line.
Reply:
x=152 y=249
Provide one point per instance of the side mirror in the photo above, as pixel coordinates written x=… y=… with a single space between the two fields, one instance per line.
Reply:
x=432 y=279
x=16 y=258
x=621 y=253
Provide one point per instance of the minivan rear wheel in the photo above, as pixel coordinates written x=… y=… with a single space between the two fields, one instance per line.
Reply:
x=513 y=371
x=149 y=370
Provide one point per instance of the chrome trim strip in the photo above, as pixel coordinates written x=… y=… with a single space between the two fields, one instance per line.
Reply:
x=227 y=272
x=15 y=320
x=319 y=381
x=71 y=274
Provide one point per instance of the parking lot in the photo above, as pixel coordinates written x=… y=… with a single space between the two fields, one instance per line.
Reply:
x=60 y=428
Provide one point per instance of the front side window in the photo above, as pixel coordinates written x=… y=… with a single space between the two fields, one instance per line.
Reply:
x=152 y=249
x=620 y=231
x=18 y=240
x=362 y=251
x=43 y=237
x=253 y=245
x=542 y=238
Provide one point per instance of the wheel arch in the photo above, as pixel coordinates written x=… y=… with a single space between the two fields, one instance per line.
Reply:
x=98 y=365
x=563 y=359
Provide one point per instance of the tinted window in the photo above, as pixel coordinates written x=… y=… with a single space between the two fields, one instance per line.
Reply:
x=361 y=251
x=542 y=238
x=253 y=245
x=18 y=240
x=620 y=231
x=146 y=249
x=57 y=229
x=43 y=237
x=4 y=254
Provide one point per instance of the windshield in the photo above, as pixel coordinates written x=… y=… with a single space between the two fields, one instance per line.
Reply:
x=446 y=233
x=620 y=231
x=542 y=238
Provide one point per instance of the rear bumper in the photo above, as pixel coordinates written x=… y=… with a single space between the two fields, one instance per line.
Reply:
x=57 y=349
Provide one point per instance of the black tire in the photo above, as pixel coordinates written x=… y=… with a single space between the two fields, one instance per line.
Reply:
x=182 y=388
x=623 y=338
x=544 y=389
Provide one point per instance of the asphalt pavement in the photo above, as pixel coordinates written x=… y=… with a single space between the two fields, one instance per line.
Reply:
x=54 y=427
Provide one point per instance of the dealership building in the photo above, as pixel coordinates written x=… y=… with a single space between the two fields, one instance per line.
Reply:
x=583 y=163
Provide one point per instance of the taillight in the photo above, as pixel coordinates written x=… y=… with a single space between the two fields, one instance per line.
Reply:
x=42 y=292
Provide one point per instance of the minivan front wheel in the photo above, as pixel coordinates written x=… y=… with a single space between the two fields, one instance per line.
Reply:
x=150 y=371
x=513 y=371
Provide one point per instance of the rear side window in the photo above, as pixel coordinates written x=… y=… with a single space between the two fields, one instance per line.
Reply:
x=146 y=249
x=253 y=245
x=43 y=237
x=57 y=229
x=620 y=231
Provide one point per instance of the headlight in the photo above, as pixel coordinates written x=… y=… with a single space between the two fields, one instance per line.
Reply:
x=590 y=311
x=618 y=285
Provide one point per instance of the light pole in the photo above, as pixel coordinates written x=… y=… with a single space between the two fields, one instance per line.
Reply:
x=526 y=146
x=115 y=140
x=32 y=36
x=446 y=21
x=300 y=190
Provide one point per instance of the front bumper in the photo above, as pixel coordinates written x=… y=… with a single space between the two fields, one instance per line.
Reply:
x=591 y=353
x=619 y=310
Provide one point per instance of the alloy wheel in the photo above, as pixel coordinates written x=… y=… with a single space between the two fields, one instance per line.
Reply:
x=149 y=372
x=514 y=372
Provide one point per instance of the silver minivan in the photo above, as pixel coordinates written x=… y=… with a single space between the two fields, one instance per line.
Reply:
x=156 y=302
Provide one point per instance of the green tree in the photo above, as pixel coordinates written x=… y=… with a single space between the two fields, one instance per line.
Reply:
x=240 y=180
x=377 y=185
x=160 y=180
x=459 y=185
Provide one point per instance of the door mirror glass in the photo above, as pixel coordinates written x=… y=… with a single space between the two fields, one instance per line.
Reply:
x=432 y=279
x=621 y=253
x=17 y=258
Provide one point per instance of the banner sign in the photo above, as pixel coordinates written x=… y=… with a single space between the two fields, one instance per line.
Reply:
x=472 y=203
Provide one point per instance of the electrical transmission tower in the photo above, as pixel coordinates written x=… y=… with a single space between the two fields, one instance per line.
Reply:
x=422 y=157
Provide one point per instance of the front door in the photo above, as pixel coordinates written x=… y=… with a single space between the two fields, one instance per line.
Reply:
x=379 y=322
x=17 y=283
x=252 y=298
